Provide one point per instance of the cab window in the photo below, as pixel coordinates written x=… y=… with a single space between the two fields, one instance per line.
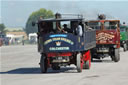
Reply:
x=111 y=25
x=95 y=25
x=122 y=29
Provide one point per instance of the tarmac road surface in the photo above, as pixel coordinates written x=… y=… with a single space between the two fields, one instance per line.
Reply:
x=19 y=66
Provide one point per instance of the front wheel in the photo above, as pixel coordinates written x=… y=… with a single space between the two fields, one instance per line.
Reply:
x=43 y=64
x=116 y=56
x=79 y=62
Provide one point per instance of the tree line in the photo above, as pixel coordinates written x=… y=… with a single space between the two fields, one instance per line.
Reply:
x=2 y=28
x=34 y=17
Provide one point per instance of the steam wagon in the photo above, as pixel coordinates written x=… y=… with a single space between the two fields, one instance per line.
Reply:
x=60 y=46
x=107 y=38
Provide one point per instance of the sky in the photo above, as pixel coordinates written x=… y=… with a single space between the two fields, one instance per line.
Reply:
x=0 y=11
x=14 y=13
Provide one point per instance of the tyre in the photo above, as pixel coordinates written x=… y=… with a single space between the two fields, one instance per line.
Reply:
x=125 y=47
x=116 y=56
x=79 y=62
x=43 y=64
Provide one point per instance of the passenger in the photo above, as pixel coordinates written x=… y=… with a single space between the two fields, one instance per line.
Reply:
x=44 y=28
x=79 y=30
x=59 y=30
x=87 y=27
x=66 y=29
x=40 y=18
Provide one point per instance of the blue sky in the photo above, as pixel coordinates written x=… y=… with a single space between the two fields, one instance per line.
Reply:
x=14 y=13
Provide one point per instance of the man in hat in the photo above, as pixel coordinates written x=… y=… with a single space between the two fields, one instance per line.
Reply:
x=66 y=29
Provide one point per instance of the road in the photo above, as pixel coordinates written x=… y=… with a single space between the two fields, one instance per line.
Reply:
x=19 y=66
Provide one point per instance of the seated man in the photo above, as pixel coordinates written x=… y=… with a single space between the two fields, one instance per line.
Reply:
x=66 y=29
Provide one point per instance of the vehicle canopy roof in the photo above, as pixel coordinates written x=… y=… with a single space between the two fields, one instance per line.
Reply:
x=55 y=20
x=111 y=20
x=63 y=17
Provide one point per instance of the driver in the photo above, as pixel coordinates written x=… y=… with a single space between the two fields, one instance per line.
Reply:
x=66 y=29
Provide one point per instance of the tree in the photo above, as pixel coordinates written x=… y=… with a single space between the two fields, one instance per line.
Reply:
x=2 y=28
x=34 y=17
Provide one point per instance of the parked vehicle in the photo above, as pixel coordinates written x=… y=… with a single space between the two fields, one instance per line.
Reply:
x=59 y=48
x=3 y=39
x=107 y=38
x=124 y=37
x=32 y=38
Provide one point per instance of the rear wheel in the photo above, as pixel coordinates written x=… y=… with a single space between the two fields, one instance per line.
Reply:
x=79 y=62
x=116 y=56
x=43 y=64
